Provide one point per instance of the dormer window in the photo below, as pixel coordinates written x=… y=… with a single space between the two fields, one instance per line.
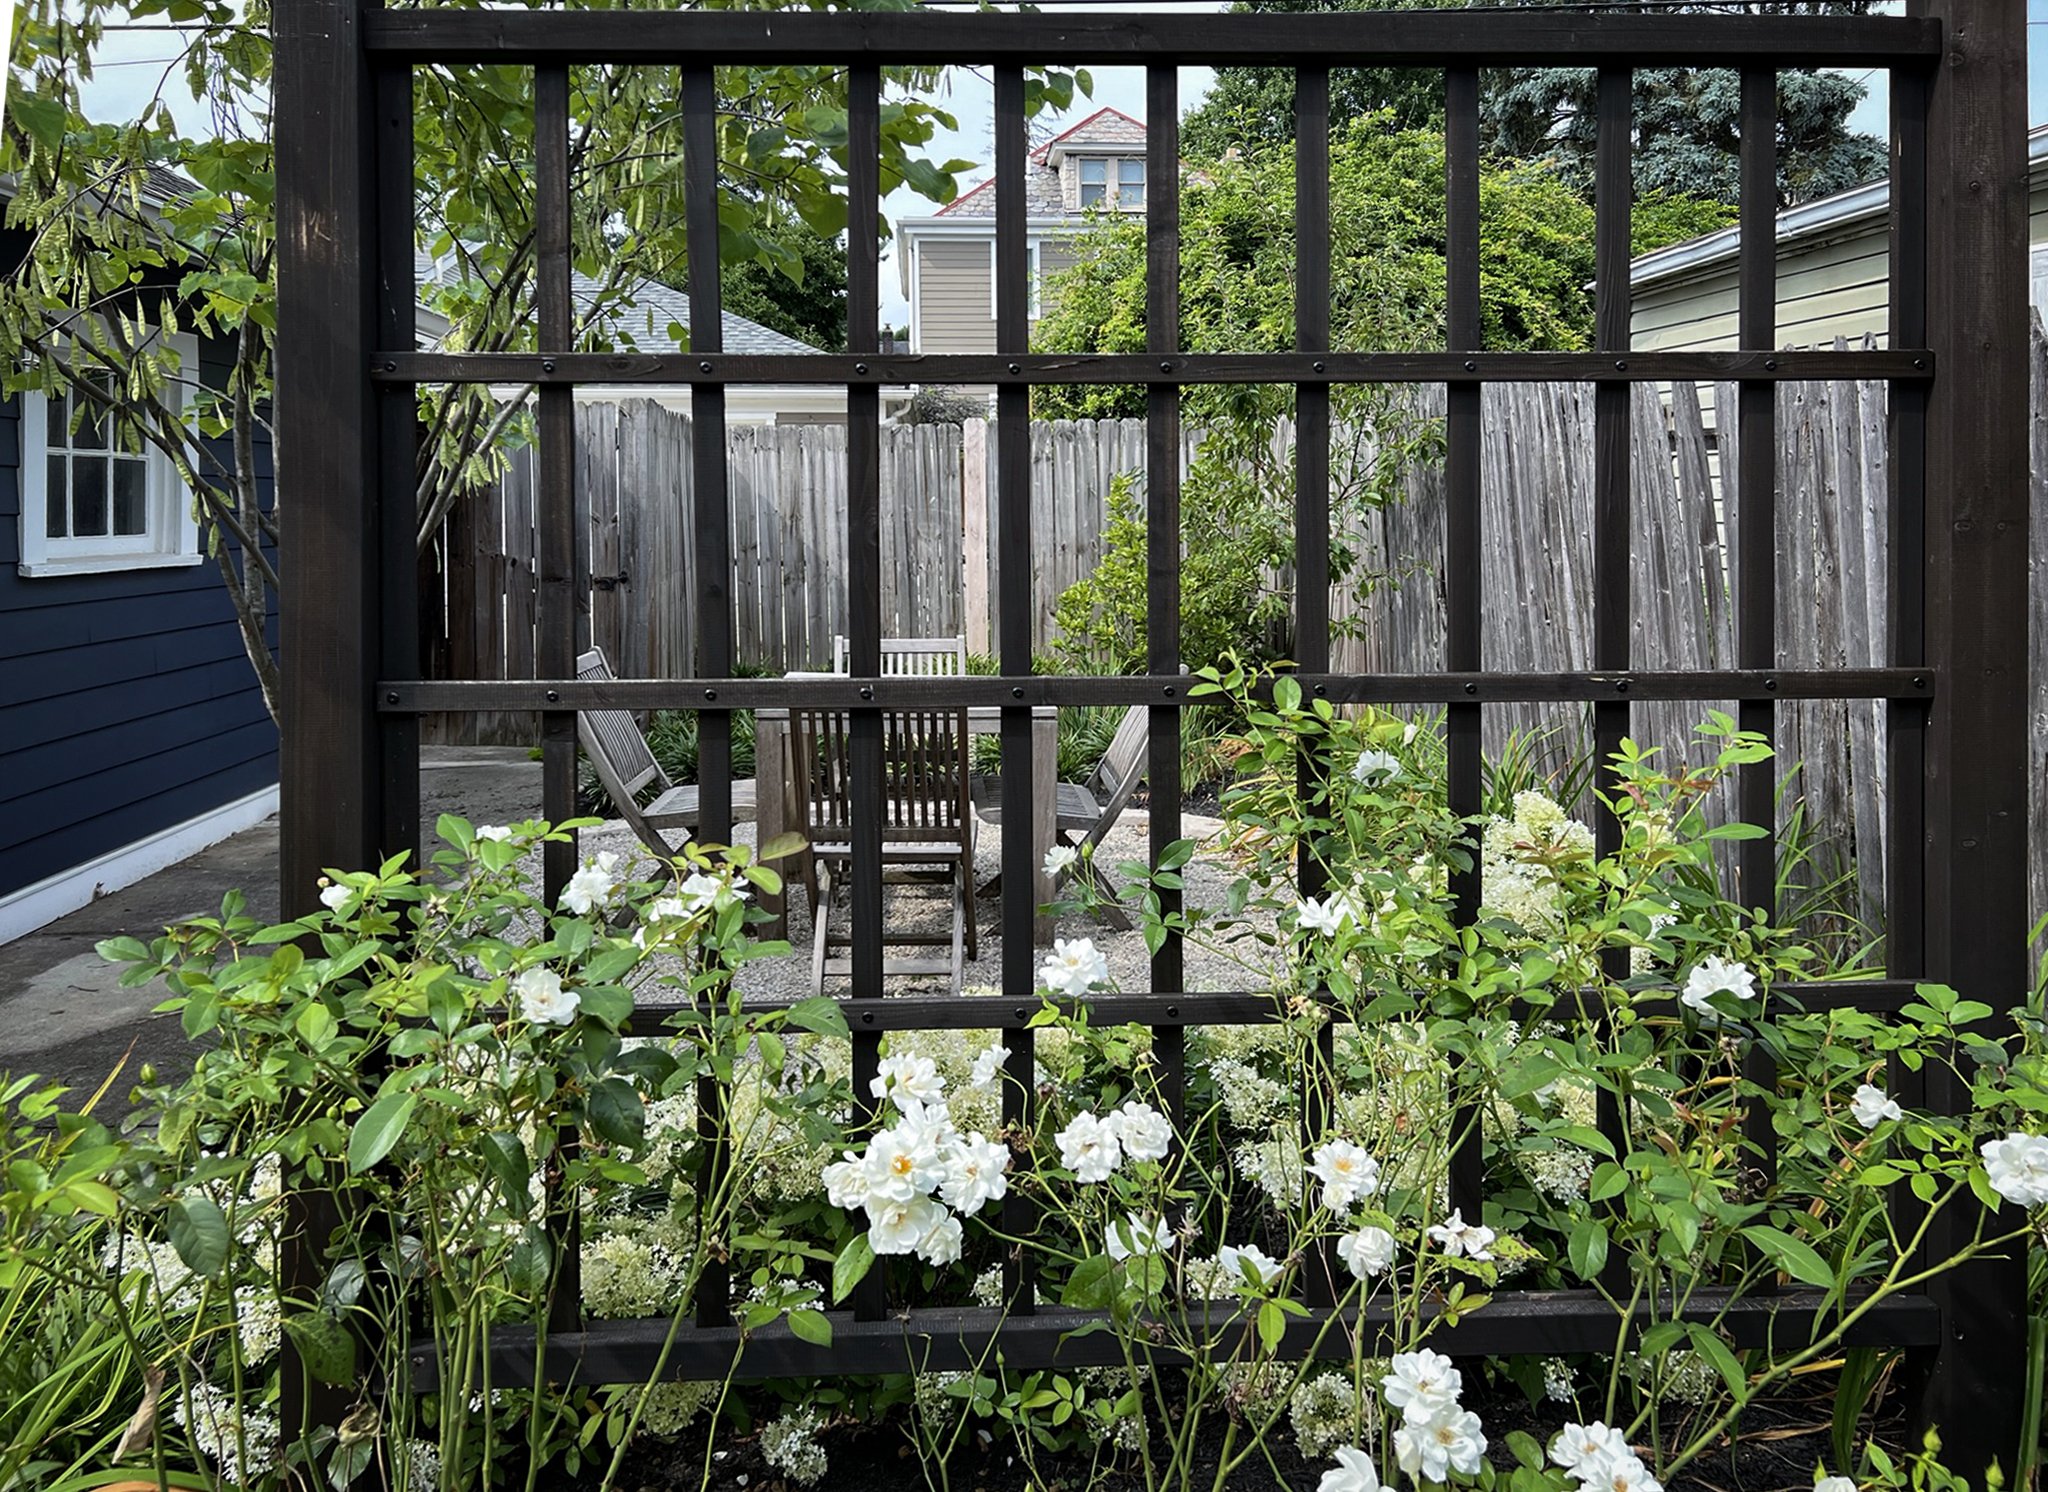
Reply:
x=1117 y=181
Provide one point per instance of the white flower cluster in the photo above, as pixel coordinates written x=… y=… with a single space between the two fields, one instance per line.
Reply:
x=1598 y=1458
x=790 y=1445
x=1327 y=1411
x=1251 y=1100
x=918 y=1168
x=1274 y=1167
x=1093 y=1147
x=628 y=1274
x=1558 y=1384
x=2018 y=1168
x=1680 y=1377
x=1516 y=854
x=242 y=1442
x=668 y=917
x=1437 y=1435
x=669 y=1407
x=592 y=886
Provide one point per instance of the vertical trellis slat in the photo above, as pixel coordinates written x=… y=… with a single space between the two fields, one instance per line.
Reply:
x=1162 y=481
x=1463 y=582
x=1014 y=629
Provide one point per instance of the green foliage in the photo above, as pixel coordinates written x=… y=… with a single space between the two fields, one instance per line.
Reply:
x=801 y=295
x=672 y=737
x=1685 y=118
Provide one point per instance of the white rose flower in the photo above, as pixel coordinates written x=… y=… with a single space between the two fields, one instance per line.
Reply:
x=1449 y=1440
x=1354 y=1472
x=941 y=1244
x=2018 y=1168
x=899 y=1227
x=591 y=886
x=1060 y=859
x=846 y=1182
x=1233 y=1258
x=977 y=1173
x=1872 y=1106
x=702 y=892
x=988 y=1067
x=1367 y=1252
x=1834 y=1484
x=903 y=1163
x=908 y=1078
x=498 y=832
x=1073 y=968
x=1456 y=1236
x=1624 y=1472
x=1420 y=1383
x=1144 y=1132
x=1712 y=976
x=1375 y=767
x=1348 y=1173
x=1136 y=1235
x=1588 y=1445
x=666 y=909
x=542 y=1000
x=1326 y=918
x=334 y=898
x=1089 y=1148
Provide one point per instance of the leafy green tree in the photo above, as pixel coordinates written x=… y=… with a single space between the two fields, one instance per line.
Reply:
x=139 y=227
x=1387 y=189
x=1685 y=118
x=805 y=300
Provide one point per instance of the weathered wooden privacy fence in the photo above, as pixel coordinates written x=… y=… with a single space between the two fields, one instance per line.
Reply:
x=787 y=487
x=1956 y=514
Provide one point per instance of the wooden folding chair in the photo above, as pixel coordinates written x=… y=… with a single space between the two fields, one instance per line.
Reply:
x=1089 y=809
x=927 y=826
x=625 y=765
x=910 y=657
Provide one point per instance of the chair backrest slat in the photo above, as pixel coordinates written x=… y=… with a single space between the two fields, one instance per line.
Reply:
x=910 y=657
x=618 y=750
x=925 y=789
x=1125 y=757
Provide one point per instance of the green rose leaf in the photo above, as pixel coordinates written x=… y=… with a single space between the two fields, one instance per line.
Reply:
x=1088 y=1287
x=378 y=1129
x=199 y=1232
x=617 y=1113
x=1789 y=1254
x=812 y=1327
x=1588 y=1248
x=818 y=1014
x=325 y=1346
x=506 y=1156
x=852 y=1266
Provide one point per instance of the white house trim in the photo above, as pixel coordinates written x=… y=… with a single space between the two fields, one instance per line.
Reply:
x=31 y=907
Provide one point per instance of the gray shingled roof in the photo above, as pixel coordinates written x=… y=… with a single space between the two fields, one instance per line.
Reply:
x=1042 y=195
x=640 y=319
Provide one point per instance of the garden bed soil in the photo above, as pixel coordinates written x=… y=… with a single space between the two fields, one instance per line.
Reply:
x=1776 y=1448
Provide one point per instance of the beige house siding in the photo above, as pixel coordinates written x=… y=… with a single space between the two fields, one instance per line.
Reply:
x=1831 y=287
x=955 y=313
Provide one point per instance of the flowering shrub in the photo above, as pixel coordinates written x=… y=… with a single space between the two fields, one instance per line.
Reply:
x=1268 y=1232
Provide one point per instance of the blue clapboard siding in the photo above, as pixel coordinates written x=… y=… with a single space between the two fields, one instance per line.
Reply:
x=126 y=703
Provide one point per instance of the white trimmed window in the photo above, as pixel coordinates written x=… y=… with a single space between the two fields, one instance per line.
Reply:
x=1032 y=279
x=1113 y=181
x=95 y=498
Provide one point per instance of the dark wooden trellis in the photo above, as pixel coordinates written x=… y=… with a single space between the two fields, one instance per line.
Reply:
x=1953 y=685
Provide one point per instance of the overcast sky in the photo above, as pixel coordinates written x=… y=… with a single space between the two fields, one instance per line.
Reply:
x=132 y=66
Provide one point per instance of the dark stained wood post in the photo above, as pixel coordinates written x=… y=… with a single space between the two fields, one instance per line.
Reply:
x=332 y=787
x=1976 y=605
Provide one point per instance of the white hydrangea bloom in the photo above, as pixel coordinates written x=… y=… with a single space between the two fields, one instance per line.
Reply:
x=789 y=1444
x=1327 y=1411
x=1558 y=1386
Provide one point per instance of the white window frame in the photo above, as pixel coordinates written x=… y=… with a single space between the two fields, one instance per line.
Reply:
x=170 y=537
x=1031 y=279
x=1112 y=182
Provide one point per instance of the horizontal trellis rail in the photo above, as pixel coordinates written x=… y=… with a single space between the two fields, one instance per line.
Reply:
x=1956 y=520
x=1181 y=370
